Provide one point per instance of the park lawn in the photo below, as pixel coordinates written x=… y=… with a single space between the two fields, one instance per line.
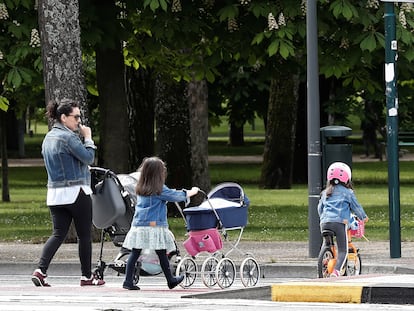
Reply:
x=274 y=215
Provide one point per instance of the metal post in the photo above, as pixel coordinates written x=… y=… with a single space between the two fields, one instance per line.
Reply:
x=392 y=129
x=314 y=144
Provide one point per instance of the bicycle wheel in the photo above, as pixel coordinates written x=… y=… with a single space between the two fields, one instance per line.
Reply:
x=249 y=272
x=225 y=273
x=323 y=261
x=353 y=264
x=187 y=267
x=208 y=271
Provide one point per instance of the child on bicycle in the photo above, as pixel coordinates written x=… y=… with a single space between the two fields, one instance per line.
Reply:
x=335 y=206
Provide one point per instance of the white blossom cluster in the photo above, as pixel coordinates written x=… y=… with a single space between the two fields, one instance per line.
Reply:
x=176 y=6
x=405 y=8
x=403 y=19
x=344 y=43
x=304 y=7
x=245 y=2
x=232 y=25
x=34 y=38
x=271 y=22
x=281 y=20
x=256 y=66
x=1 y=55
x=373 y=4
x=4 y=14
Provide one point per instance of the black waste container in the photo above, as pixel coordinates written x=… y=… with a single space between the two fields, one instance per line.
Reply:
x=335 y=147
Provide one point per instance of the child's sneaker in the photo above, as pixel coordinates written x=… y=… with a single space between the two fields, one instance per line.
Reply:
x=39 y=278
x=92 y=281
x=335 y=274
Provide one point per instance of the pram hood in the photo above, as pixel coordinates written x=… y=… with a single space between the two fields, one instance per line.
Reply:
x=226 y=206
x=229 y=191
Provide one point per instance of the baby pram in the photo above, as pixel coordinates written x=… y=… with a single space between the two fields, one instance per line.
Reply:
x=113 y=207
x=224 y=209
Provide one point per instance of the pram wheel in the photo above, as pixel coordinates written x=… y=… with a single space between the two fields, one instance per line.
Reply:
x=208 y=271
x=225 y=272
x=187 y=267
x=98 y=271
x=249 y=272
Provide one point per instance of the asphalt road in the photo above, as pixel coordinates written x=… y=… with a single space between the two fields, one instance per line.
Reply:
x=17 y=293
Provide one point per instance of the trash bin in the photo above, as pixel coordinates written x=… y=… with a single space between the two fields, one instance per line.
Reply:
x=335 y=147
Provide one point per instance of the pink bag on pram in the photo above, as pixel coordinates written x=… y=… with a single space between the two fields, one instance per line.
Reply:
x=208 y=240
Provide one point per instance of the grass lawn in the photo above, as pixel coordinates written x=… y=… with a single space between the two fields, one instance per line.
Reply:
x=274 y=215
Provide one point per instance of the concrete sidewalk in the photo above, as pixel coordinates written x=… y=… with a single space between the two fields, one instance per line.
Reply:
x=287 y=256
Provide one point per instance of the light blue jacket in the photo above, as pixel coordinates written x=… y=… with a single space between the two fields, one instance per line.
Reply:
x=339 y=205
x=66 y=157
x=152 y=210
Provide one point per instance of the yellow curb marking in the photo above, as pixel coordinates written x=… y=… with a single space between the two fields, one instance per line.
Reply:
x=317 y=292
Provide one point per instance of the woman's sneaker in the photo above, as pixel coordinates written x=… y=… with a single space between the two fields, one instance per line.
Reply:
x=335 y=274
x=39 y=278
x=92 y=281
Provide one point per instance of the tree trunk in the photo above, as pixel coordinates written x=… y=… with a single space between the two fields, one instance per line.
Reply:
x=236 y=134
x=5 y=191
x=300 y=169
x=62 y=56
x=198 y=106
x=114 y=127
x=110 y=72
x=140 y=93
x=173 y=132
x=280 y=134
x=61 y=52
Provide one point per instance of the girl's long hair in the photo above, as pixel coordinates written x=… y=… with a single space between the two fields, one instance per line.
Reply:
x=330 y=185
x=152 y=178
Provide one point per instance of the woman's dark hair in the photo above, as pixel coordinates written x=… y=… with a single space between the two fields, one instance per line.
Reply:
x=152 y=178
x=55 y=109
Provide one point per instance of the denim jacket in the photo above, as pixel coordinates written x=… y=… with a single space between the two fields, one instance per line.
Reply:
x=152 y=210
x=66 y=157
x=339 y=205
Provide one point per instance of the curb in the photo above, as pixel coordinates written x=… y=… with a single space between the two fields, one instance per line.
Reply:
x=341 y=293
x=316 y=292
x=267 y=271
x=320 y=292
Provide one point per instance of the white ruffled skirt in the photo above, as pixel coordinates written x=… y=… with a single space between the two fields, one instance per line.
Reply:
x=150 y=238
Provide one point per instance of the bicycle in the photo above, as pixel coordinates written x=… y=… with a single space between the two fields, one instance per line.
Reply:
x=327 y=257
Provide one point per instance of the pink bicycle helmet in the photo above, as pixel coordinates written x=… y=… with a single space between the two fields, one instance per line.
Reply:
x=339 y=171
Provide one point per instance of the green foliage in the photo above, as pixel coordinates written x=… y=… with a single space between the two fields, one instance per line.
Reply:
x=344 y=8
x=4 y=103
x=20 y=61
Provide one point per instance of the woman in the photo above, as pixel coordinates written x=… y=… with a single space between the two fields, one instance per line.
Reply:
x=66 y=159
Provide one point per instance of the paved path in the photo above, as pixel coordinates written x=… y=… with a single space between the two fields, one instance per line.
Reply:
x=408 y=156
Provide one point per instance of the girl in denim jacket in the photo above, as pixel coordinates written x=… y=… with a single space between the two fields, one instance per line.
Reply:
x=335 y=206
x=149 y=227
